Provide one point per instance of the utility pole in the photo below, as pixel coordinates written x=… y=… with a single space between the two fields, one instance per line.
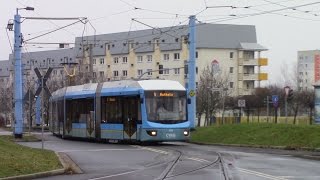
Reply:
x=90 y=64
x=192 y=72
x=268 y=109
x=18 y=90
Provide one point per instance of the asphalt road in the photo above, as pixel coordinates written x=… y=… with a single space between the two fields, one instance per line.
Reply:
x=179 y=161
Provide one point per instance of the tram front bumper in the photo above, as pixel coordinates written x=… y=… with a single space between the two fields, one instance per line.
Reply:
x=165 y=134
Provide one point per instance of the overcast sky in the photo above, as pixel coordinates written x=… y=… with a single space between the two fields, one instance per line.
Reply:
x=282 y=32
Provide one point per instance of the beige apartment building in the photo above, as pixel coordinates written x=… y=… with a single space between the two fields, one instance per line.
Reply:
x=139 y=54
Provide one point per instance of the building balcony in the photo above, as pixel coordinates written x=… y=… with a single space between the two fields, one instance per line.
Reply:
x=253 y=77
x=243 y=92
x=253 y=62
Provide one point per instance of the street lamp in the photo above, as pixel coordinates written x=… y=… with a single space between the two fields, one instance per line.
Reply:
x=286 y=90
x=18 y=103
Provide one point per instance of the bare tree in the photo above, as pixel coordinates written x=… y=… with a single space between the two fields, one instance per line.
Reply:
x=211 y=93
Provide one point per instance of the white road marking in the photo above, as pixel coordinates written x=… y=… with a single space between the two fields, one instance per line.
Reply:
x=151 y=149
x=97 y=150
x=267 y=176
x=198 y=159
x=120 y=174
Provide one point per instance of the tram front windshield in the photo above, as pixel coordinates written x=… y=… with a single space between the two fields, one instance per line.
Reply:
x=167 y=107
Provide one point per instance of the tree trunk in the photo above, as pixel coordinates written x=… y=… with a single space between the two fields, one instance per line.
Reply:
x=310 y=116
x=258 y=115
x=199 y=119
x=276 y=115
x=295 y=115
x=248 y=114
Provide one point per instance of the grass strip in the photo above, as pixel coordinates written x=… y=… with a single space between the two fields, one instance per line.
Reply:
x=263 y=134
x=17 y=160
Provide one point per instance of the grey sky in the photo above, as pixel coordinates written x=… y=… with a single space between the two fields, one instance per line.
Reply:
x=282 y=35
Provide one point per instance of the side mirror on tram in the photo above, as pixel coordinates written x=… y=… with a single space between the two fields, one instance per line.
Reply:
x=189 y=101
x=141 y=100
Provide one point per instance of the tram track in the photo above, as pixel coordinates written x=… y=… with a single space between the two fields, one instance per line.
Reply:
x=170 y=168
x=177 y=159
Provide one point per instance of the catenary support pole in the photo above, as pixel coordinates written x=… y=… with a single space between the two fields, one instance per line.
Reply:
x=18 y=102
x=192 y=72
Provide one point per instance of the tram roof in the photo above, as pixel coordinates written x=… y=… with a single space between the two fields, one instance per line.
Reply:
x=125 y=87
x=85 y=90
x=161 y=85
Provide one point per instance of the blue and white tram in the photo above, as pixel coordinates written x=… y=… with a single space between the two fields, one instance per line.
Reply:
x=148 y=110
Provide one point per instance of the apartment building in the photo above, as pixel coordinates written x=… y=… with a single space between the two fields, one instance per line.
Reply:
x=43 y=60
x=308 y=69
x=140 y=54
x=5 y=73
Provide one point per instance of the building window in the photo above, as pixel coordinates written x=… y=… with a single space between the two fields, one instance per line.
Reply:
x=231 y=84
x=101 y=74
x=115 y=73
x=176 y=71
x=231 y=70
x=166 y=57
x=176 y=56
x=197 y=54
x=139 y=59
x=306 y=65
x=115 y=60
x=61 y=72
x=94 y=61
x=139 y=72
x=94 y=74
x=149 y=72
x=165 y=71
x=124 y=59
x=101 y=60
x=306 y=73
x=125 y=73
x=231 y=55
x=149 y=58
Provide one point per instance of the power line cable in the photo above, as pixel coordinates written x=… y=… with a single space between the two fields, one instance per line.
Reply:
x=53 y=30
x=266 y=12
x=9 y=40
x=295 y=9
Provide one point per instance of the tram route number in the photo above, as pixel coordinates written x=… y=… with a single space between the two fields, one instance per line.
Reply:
x=170 y=135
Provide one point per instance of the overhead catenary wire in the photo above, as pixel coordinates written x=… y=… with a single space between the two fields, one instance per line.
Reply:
x=53 y=30
x=9 y=40
x=264 y=12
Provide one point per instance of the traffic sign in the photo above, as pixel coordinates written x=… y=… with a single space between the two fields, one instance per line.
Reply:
x=241 y=103
x=192 y=93
x=275 y=100
x=43 y=81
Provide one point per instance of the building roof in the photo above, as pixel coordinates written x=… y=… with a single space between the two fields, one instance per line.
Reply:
x=217 y=36
x=252 y=46
x=44 y=59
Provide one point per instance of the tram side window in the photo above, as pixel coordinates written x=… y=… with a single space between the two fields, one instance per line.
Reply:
x=111 y=110
x=80 y=110
x=60 y=110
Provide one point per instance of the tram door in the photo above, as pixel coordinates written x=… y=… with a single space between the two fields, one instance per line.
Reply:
x=130 y=117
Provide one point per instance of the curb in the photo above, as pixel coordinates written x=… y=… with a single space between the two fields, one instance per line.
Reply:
x=68 y=164
x=69 y=167
x=311 y=157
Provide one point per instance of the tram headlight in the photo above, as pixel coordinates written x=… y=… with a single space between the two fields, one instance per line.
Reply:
x=152 y=132
x=186 y=132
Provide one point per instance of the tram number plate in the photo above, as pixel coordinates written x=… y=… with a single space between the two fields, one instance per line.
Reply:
x=170 y=135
